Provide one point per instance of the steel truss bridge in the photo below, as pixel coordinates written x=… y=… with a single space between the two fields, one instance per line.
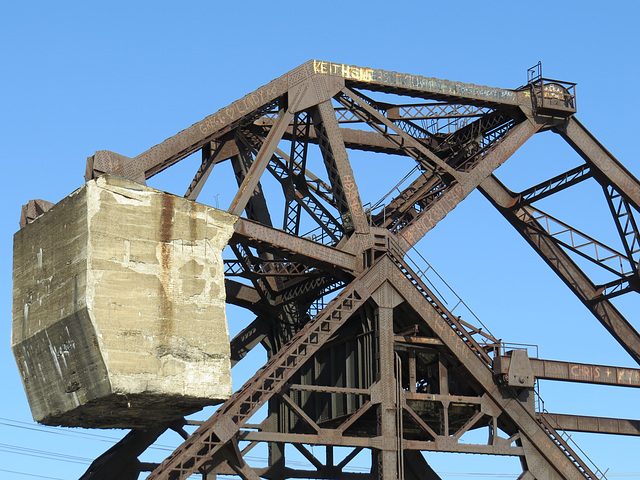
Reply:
x=362 y=352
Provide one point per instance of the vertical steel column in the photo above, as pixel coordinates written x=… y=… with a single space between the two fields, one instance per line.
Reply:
x=386 y=460
x=443 y=375
x=412 y=371
x=276 y=452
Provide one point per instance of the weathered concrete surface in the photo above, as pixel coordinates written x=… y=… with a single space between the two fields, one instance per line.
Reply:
x=119 y=307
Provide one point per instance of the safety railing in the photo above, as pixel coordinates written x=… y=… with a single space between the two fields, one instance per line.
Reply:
x=564 y=439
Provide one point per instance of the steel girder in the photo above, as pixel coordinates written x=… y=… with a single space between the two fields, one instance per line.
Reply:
x=565 y=267
x=390 y=392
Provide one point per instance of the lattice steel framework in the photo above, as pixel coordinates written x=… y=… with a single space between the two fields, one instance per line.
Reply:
x=384 y=366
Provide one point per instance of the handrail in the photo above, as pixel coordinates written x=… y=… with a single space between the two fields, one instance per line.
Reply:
x=459 y=301
x=519 y=346
x=543 y=418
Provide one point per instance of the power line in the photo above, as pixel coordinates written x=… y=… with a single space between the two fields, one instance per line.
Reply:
x=32 y=452
x=54 y=430
x=7 y=422
x=30 y=474
x=15 y=449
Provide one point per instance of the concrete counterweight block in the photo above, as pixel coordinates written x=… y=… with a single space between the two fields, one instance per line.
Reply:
x=119 y=307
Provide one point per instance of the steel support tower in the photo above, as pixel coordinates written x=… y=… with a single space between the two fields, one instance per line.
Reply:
x=362 y=351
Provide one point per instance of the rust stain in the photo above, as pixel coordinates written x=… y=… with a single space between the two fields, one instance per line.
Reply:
x=166 y=236
x=193 y=222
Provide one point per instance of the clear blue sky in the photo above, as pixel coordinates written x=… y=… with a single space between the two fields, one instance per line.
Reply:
x=77 y=77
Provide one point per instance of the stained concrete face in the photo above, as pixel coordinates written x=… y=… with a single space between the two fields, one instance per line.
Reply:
x=119 y=307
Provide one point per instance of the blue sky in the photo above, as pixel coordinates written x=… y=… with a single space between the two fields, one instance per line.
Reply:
x=78 y=77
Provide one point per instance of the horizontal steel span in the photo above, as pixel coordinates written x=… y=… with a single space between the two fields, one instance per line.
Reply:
x=579 y=372
x=579 y=423
x=434 y=87
x=294 y=247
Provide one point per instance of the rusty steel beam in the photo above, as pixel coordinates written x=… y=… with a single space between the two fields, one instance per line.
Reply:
x=328 y=438
x=303 y=292
x=294 y=248
x=445 y=445
x=560 y=262
x=423 y=111
x=555 y=184
x=355 y=139
x=32 y=210
x=295 y=178
x=212 y=154
x=419 y=188
x=325 y=389
x=583 y=244
x=606 y=166
x=433 y=397
x=250 y=182
x=267 y=268
x=121 y=460
x=625 y=224
x=416 y=111
x=241 y=295
x=373 y=117
x=263 y=286
x=279 y=161
x=256 y=207
x=578 y=372
x=249 y=337
x=369 y=141
x=210 y=128
x=418 y=341
x=419 y=86
x=339 y=169
x=446 y=202
x=297 y=162
x=580 y=423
